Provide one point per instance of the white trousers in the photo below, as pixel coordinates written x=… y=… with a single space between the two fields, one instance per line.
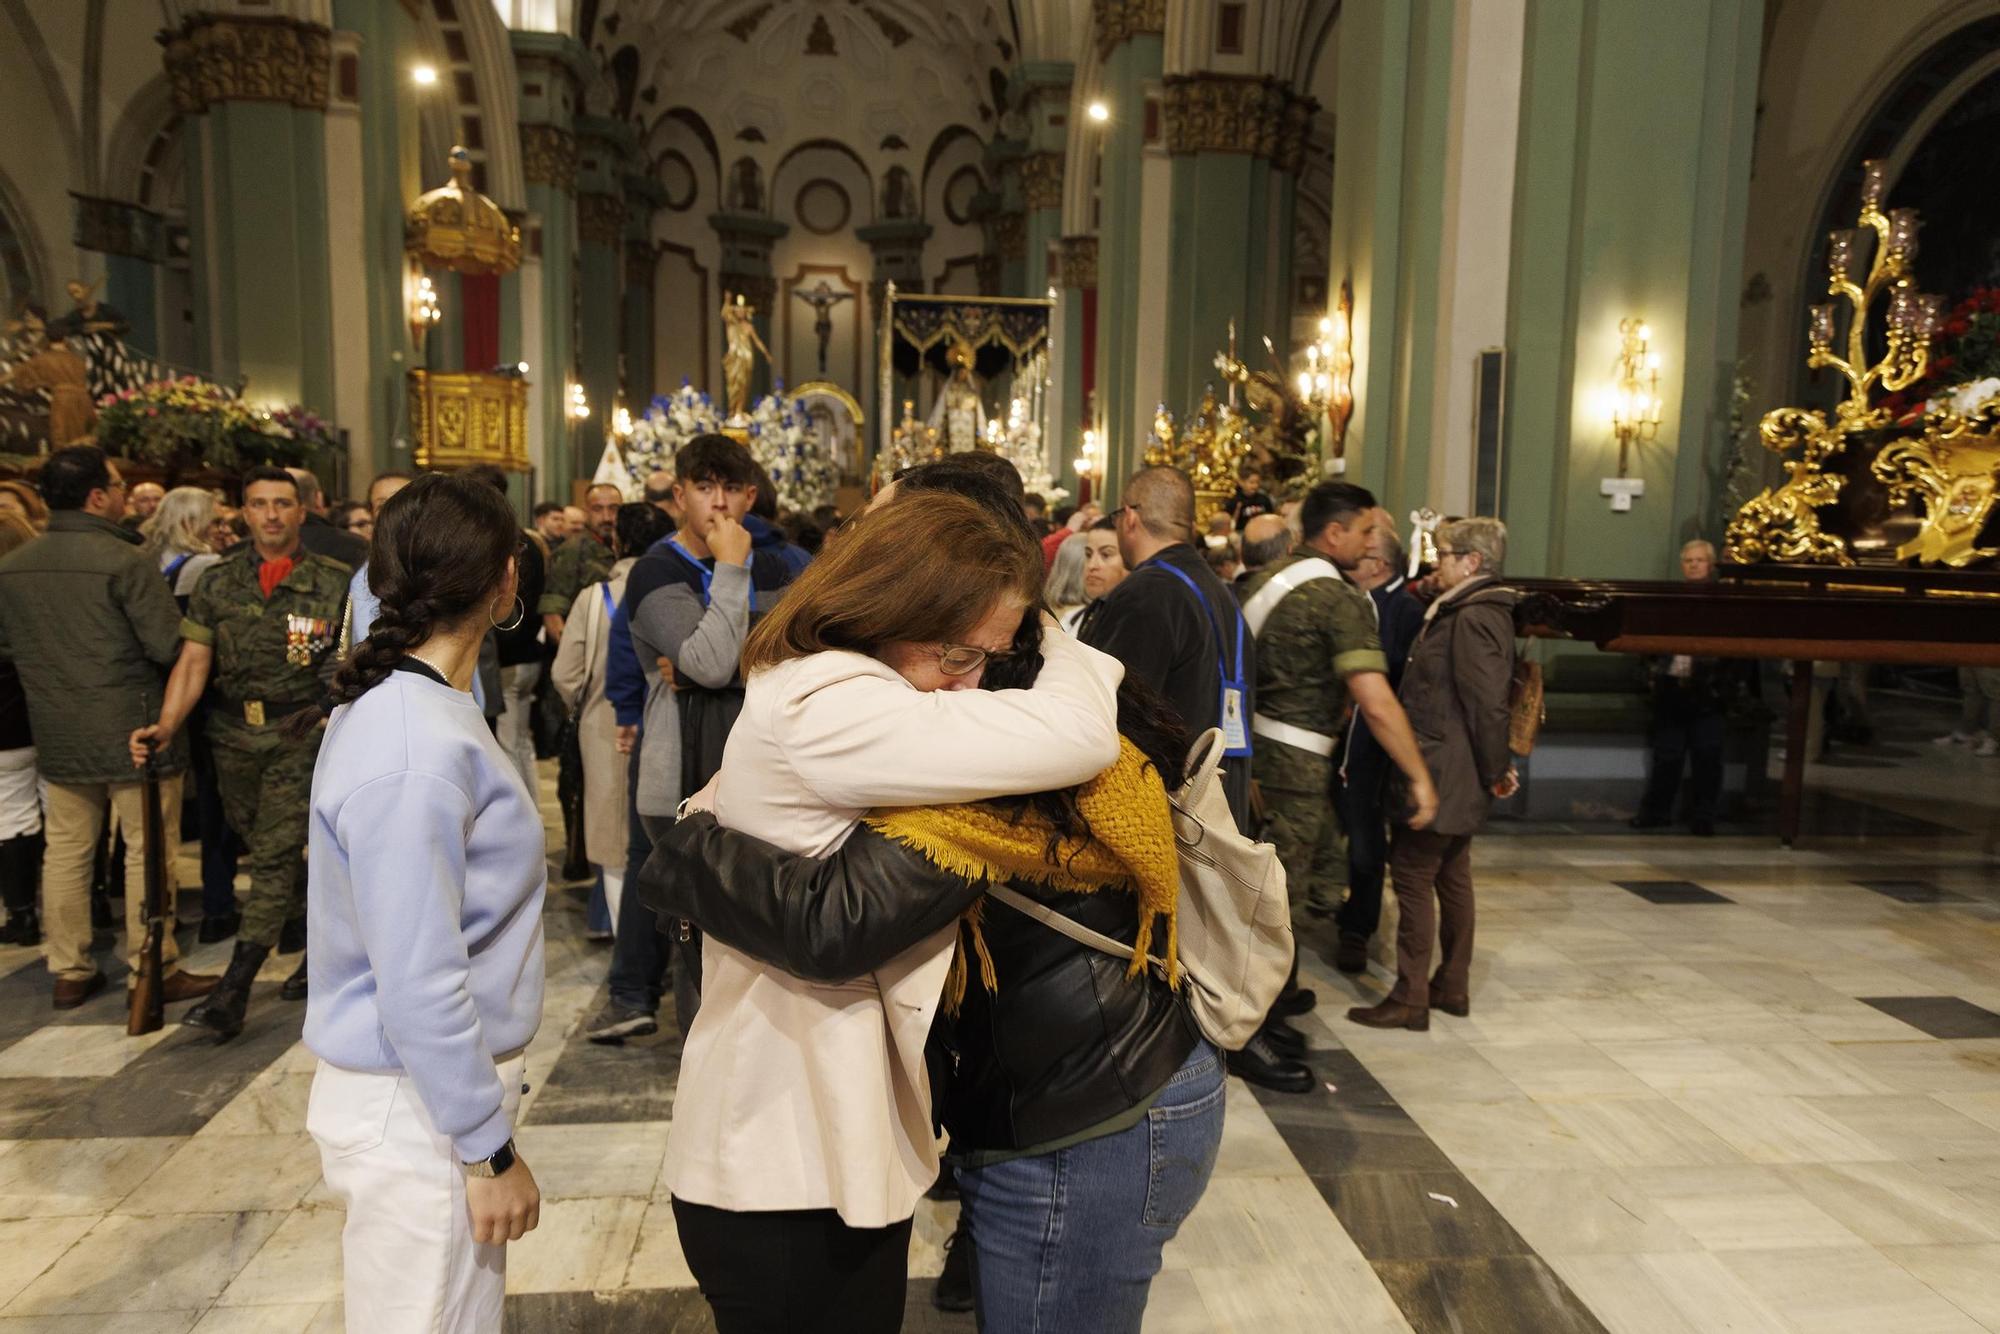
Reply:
x=411 y=1262
x=516 y=730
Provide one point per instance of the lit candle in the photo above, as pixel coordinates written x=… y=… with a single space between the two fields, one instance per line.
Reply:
x=1903 y=233
x=1819 y=329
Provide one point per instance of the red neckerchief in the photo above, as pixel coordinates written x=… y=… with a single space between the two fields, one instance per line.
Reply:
x=271 y=572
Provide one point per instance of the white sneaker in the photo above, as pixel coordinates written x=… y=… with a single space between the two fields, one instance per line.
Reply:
x=1953 y=738
x=1987 y=746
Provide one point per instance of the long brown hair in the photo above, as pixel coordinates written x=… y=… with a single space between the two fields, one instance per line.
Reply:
x=924 y=568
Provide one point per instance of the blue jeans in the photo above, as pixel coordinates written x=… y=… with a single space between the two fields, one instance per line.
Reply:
x=1070 y=1240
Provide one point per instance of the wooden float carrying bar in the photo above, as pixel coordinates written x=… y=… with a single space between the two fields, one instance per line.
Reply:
x=1797 y=613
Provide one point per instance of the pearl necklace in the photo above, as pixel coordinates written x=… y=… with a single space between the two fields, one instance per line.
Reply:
x=418 y=657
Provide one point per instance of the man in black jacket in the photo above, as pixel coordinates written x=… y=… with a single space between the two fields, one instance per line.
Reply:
x=1176 y=626
x=319 y=536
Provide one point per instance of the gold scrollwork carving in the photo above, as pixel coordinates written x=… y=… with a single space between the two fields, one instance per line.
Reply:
x=1951 y=471
x=1010 y=235
x=1076 y=261
x=600 y=219
x=466 y=417
x=1042 y=180
x=238 y=59
x=1118 y=20
x=548 y=157
x=1227 y=113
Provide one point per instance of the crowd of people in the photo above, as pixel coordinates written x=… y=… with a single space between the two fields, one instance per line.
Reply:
x=800 y=761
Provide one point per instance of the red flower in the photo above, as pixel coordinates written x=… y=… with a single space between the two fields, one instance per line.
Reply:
x=1943 y=363
x=1956 y=327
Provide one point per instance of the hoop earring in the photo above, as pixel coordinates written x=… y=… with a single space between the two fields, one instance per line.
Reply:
x=520 y=614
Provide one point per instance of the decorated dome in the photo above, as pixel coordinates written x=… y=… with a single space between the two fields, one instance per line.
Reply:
x=455 y=227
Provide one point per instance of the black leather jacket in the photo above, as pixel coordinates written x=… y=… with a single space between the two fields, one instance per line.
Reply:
x=1066 y=1043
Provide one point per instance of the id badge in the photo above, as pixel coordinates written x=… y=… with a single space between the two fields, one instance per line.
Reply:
x=1235 y=727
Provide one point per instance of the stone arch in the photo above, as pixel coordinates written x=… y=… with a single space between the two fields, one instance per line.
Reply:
x=24 y=267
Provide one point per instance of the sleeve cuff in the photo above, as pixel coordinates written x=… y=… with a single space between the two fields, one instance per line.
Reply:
x=196 y=633
x=485 y=1140
x=1360 y=660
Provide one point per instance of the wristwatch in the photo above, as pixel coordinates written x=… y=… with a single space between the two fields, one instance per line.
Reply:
x=503 y=1158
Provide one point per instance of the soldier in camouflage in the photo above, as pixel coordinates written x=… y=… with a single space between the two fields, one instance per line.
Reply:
x=262 y=626
x=583 y=560
x=1316 y=650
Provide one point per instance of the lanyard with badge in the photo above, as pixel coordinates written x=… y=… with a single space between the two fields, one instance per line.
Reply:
x=707 y=575
x=1235 y=721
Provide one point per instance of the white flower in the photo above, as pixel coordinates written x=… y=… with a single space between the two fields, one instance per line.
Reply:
x=1968 y=398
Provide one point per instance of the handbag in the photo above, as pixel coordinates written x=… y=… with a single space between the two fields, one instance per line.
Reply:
x=1526 y=709
x=1234 y=920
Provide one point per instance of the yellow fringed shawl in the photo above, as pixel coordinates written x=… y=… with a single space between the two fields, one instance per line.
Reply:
x=1131 y=848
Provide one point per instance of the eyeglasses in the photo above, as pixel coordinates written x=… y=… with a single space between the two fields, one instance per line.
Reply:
x=962 y=659
x=1445 y=553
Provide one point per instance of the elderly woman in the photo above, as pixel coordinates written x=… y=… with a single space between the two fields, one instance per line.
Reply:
x=1063 y=589
x=1455 y=690
x=177 y=538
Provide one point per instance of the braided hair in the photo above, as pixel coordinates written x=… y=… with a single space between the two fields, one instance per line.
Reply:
x=440 y=549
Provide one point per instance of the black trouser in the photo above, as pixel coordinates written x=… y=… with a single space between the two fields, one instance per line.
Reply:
x=795 y=1271
x=1684 y=730
x=1360 y=801
x=221 y=849
x=638 y=954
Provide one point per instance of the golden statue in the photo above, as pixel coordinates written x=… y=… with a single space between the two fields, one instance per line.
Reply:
x=738 y=356
x=63 y=373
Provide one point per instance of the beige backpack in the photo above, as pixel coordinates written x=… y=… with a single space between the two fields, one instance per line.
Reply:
x=1234 y=920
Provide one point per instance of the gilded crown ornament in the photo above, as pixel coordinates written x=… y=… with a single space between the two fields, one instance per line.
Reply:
x=1208 y=449
x=455 y=227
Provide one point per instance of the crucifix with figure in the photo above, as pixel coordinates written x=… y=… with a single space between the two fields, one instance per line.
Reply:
x=822 y=299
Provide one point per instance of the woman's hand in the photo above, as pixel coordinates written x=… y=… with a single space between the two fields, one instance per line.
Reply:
x=504 y=1208
x=628 y=737
x=1509 y=784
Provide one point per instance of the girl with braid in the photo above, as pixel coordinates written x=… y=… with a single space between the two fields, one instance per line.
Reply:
x=426 y=920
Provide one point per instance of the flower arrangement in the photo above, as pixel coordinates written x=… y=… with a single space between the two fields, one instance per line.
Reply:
x=782 y=439
x=191 y=421
x=1964 y=369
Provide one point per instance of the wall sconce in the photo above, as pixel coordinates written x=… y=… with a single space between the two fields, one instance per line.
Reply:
x=1327 y=384
x=1635 y=408
x=1087 y=462
x=1098 y=112
x=1635 y=395
x=424 y=310
x=424 y=76
x=621 y=423
x=579 y=406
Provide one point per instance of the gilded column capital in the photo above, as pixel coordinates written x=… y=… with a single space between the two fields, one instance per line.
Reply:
x=548 y=157
x=1235 y=113
x=1010 y=235
x=216 y=58
x=1116 y=21
x=1076 y=261
x=1295 y=133
x=600 y=219
x=1042 y=180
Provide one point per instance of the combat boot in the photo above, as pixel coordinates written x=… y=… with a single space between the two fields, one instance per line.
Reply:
x=222 y=1013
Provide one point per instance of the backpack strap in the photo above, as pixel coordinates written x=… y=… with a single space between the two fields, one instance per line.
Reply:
x=1068 y=925
x=1266 y=599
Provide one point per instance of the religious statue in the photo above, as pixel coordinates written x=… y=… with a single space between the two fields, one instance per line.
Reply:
x=959 y=407
x=740 y=347
x=746 y=187
x=822 y=299
x=63 y=373
x=898 y=199
x=88 y=315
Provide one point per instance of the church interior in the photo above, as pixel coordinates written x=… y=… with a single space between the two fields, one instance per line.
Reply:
x=1628 y=276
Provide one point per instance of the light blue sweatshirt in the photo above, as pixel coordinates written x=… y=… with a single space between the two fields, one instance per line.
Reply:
x=428 y=866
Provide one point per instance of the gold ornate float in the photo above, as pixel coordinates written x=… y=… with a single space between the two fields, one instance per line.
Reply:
x=1938 y=482
x=463 y=417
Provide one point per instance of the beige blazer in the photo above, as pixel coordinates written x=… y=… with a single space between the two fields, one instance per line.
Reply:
x=794 y=1095
x=578 y=674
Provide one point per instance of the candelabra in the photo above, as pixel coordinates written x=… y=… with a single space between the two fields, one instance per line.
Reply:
x=1635 y=394
x=1783 y=522
x=1207 y=449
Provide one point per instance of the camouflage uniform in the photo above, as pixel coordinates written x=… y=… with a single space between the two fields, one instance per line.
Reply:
x=577 y=564
x=271 y=658
x=1318 y=635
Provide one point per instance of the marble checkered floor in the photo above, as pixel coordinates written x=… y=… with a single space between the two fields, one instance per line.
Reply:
x=1706 y=1085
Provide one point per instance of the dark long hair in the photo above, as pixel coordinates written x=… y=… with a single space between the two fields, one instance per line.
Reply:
x=441 y=547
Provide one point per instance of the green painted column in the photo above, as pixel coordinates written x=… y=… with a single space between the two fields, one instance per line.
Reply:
x=1632 y=182
x=1128 y=69
x=644 y=196
x=1391 y=117
x=552 y=68
x=602 y=149
x=258 y=215
x=1042 y=89
x=1076 y=349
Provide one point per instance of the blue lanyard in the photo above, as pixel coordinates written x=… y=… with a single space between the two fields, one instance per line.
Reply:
x=1234 y=680
x=604 y=589
x=707 y=575
x=1231 y=682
